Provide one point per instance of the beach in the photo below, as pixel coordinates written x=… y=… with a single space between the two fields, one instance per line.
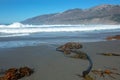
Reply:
x=44 y=40
x=49 y=64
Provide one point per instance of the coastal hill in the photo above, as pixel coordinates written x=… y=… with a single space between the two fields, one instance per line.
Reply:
x=102 y=14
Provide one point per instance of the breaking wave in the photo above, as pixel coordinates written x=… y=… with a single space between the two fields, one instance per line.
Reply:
x=18 y=29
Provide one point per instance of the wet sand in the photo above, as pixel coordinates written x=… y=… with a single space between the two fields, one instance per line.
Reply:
x=50 y=64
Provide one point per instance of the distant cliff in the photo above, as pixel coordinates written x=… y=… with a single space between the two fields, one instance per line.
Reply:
x=103 y=14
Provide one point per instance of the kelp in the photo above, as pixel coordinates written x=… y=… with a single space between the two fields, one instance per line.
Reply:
x=87 y=77
x=15 y=74
x=73 y=48
x=106 y=72
x=109 y=54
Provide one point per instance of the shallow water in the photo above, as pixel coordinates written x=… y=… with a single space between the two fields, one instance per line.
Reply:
x=19 y=35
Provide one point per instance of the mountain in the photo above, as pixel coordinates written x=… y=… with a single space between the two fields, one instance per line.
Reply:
x=103 y=14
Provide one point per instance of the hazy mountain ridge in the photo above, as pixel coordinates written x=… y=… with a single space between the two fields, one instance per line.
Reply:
x=103 y=14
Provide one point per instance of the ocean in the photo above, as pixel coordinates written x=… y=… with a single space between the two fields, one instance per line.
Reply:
x=20 y=35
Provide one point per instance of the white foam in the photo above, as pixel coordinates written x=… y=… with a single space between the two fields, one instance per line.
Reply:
x=18 y=28
x=20 y=25
x=13 y=35
x=14 y=25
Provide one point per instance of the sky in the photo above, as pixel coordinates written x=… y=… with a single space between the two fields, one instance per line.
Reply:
x=18 y=10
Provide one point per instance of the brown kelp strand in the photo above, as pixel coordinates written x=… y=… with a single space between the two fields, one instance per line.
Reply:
x=87 y=71
x=109 y=54
x=73 y=48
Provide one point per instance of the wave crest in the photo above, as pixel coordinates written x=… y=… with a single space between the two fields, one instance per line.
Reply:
x=19 y=28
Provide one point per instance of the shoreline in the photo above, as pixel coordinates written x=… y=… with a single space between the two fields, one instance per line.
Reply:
x=50 y=64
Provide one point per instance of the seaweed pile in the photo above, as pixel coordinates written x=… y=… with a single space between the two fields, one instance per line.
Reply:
x=73 y=48
x=109 y=54
x=15 y=74
x=107 y=72
x=116 y=37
